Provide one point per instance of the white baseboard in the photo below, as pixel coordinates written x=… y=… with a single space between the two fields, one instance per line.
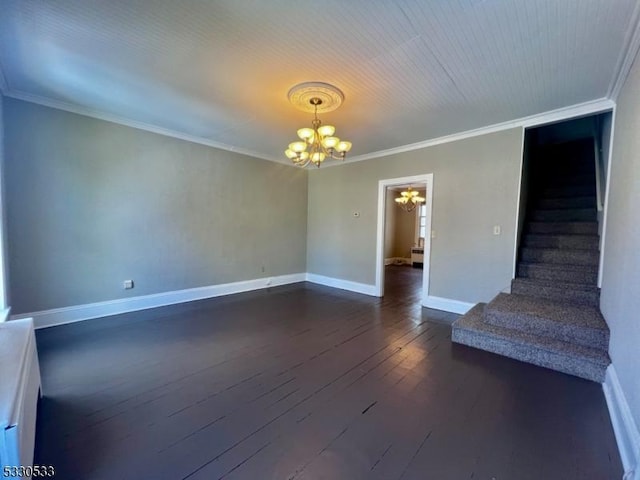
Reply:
x=447 y=304
x=343 y=284
x=624 y=427
x=397 y=260
x=59 y=316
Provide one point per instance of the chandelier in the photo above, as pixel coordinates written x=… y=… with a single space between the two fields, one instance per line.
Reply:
x=409 y=199
x=318 y=142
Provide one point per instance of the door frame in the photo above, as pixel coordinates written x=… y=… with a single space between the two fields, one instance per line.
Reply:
x=383 y=186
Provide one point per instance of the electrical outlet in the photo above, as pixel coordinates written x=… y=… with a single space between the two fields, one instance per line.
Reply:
x=128 y=284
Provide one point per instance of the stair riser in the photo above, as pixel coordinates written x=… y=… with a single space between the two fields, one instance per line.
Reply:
x=563 y=228
x=561 y=241
x=542 y=358
x=546 y=328
x=564 y=215
x=577 y=296
x=568 y=191
x=566 y=202
x=540 y=272
x=565 y=257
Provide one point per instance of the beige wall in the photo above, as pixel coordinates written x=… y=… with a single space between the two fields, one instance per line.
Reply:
x=476 y=184
x=91 y=204
x=399 y=228
x=620 y=298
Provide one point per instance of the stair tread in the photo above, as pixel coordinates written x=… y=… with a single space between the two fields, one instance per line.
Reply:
x=561 y=266
x=473 y=320
x=581 y=316
x=554 y=284
x=571 y=235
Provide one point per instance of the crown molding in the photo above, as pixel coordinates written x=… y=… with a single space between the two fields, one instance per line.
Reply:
x=627 y=55
x=560 y=114
x=93 y=113
x=565 y=113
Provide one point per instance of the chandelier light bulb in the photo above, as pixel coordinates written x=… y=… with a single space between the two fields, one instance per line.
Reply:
x=305 y=133
x=330 y=142
x=326 y=130
x=343 y=146
x=298 y=147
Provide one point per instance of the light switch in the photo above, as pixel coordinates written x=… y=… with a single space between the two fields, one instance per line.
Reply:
x=433 y=234
x=497 y=230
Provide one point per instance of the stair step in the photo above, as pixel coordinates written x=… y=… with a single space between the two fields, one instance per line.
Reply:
x=579 y=324
x=568 y=228
x=557 y=179
x=578 y=360
x=580 y=294
x=560 y=256
x=565 y=166
x=546 y=240
x=583 y=275
x=556 y=203
x=564 y=215
x=568 y=191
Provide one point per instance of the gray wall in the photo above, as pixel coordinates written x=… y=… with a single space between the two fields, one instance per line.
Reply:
x=91 y=203
x=389 y=226
x=620 y=297
x=475 y=187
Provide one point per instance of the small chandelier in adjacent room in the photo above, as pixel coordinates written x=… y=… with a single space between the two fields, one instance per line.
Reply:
x=318 y=142
x=409 y=199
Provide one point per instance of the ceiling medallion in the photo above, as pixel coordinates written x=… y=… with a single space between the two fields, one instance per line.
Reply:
x=318 y=142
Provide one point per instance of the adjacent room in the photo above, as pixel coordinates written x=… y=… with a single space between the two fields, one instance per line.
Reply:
x=320 y=240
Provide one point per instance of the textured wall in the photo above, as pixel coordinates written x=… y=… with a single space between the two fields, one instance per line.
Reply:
x=475 y=187
x=91 y=203
x=620 y=298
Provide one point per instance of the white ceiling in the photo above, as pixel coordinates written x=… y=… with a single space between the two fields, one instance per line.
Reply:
x=220 y=70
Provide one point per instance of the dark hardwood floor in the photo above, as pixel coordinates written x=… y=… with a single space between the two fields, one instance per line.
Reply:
x=308 y=382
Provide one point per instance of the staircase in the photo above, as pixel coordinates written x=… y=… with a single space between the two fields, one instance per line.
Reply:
x=552 y=317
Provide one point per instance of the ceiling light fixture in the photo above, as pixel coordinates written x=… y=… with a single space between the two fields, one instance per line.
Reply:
x=318 y=142
x=409 y=199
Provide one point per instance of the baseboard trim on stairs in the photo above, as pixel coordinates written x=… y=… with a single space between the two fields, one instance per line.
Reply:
x=447 y=304
x=77 y=313
x=624 y=427
x=364 y=288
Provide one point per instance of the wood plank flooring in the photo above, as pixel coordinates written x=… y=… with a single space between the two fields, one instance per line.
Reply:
x=308 y=382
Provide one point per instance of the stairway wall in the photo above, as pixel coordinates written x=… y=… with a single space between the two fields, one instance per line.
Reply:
x=620 y=297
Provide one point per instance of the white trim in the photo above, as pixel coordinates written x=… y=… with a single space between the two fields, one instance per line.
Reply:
x=363 y=288
x=579 y=110
x=59 y=316
x=624 y=427
x=426 y=179
x=93 y=113
x=515 y=246
x=607 y=187
x=447 y=304
x=627 y=55
x=397 y=261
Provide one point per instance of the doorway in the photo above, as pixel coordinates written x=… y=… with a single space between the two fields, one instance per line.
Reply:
x=384 y=186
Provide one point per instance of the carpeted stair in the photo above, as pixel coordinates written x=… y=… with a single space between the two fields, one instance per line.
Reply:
x=552 y=317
